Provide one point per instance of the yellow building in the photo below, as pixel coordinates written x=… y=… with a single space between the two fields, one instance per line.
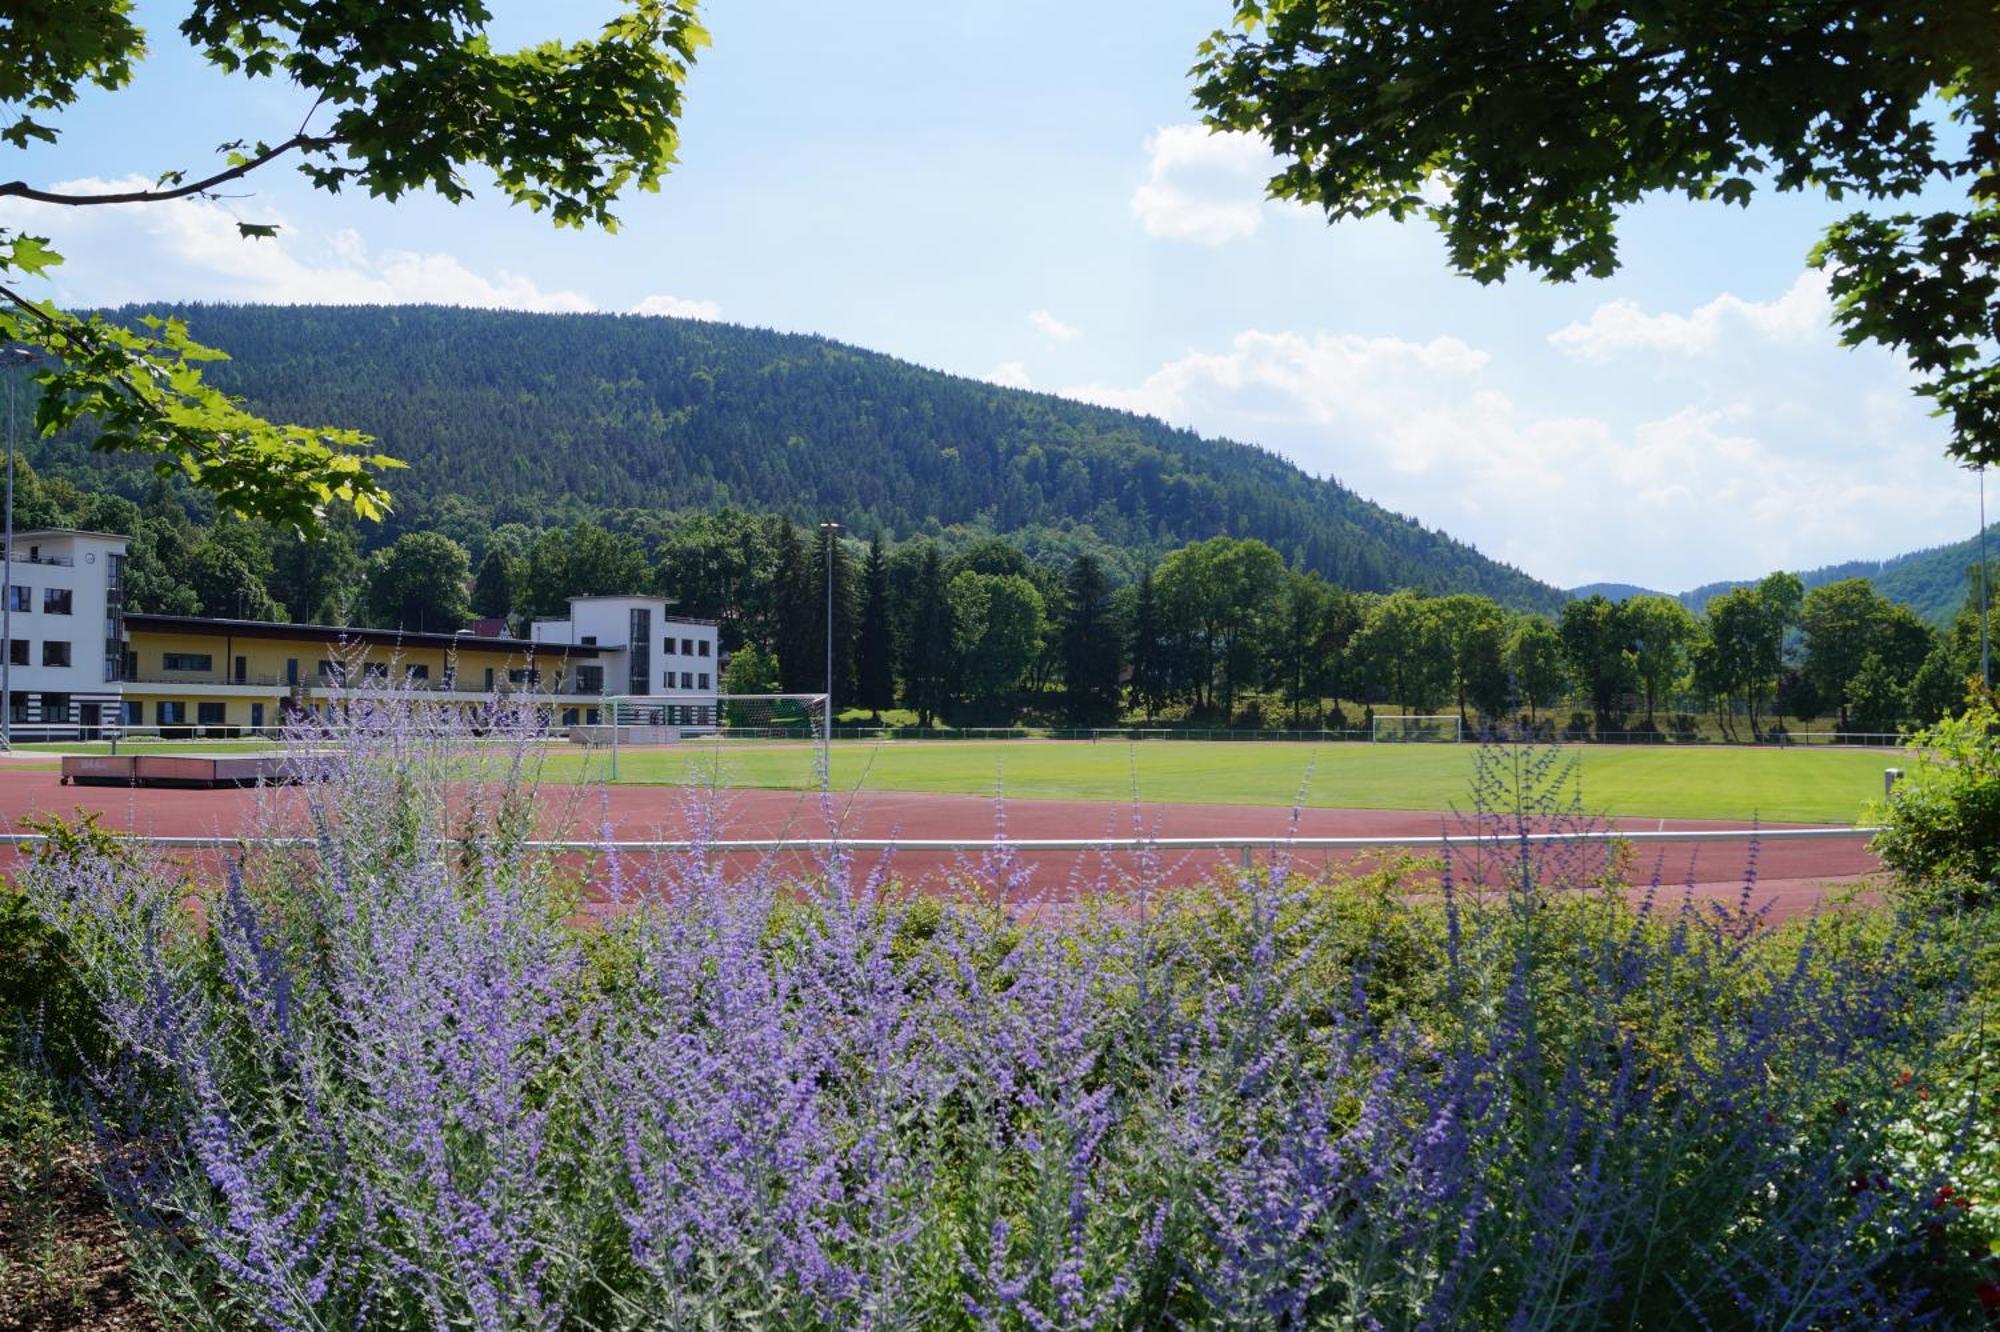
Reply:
x=217 y=677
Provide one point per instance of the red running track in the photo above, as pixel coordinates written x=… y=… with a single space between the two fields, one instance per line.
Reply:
x=1791 y=877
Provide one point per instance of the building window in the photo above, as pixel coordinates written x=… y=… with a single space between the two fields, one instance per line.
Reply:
x=186 y=661
x=375 y=672
x=667 y=648
x=20 y=598
x=135 y=713
x=489 y=680
x=56 y=600
x=55 y=707
x=17 y=651
x=55 y=652
x=687 y=647
x=701 y=681
x=590 y=679
x=590 y=640
x=639 y=634
x=687 y=679
x=702 y=647
x=209 y=714
x=170 y=714
x=330 y=672
x=420 y=672
x=524 y=676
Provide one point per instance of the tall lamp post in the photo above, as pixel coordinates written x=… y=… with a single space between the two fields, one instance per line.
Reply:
x=830 y=533
x=10 y=359
x=1985 y=649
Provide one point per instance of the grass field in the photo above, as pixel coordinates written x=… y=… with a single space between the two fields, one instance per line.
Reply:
x=1787 y=786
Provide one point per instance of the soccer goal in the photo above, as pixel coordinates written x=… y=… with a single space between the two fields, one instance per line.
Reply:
x=632 y=722
x=1446 y=729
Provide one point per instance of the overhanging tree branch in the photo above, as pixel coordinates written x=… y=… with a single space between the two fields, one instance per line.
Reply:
x=20 y=189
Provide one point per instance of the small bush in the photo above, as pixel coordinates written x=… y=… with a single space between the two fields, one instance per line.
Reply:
x=1941 y=825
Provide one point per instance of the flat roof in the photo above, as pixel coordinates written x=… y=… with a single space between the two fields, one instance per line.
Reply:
x=338 y=633
x=69 y=532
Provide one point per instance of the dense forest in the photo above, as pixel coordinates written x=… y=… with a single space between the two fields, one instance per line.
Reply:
x=544 y=419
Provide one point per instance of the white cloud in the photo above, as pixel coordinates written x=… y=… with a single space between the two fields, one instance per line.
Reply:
x=191 y=248
x=677 y=307
x=1053 y=328
x=1010 y=374
x=1203 y=186
x=1733 y=484
x=1619 y=326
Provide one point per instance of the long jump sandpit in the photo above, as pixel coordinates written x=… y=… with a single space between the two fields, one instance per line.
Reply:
x=1790 y=877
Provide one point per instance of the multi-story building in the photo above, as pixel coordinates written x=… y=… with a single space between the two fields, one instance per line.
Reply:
x=79 y=663
x=672 y=662
x=65 y=628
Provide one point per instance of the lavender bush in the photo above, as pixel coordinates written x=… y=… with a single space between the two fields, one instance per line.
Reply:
x=406 y=1074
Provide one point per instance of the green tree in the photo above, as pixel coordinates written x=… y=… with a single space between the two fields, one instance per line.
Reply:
x=317 y=574
x=1742 y=652
x=797 y=622
x=418 y=583
x=1219 y=591
x=1404 y=651
x=929 y=655
x=1091 y=658
x=749 y=672
x=1938 y=689
x=1599 y=652
x=875 y=651
x=997 y=620
x=585 y=561
x=1660 y=630
x=1472 y=627
x=1535 y=656
x=1847 y=622
x=1523 y=131
x=396 y=98
x=1149 y=683
x=493 y=587
x=225 y=586
x=1876 y=698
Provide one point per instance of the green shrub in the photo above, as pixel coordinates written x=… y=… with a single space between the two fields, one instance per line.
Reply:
x=1941 y=826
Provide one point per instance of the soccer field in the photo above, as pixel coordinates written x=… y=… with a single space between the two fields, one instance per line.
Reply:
x=1777 y=785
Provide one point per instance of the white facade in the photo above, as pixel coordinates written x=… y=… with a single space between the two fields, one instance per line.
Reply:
x=645 y=652
x=64 y=627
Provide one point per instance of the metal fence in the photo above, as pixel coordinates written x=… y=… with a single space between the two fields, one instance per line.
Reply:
x=1246 y=846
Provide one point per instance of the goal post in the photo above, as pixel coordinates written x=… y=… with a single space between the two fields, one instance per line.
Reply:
x=646 y=720
x=1447 y=728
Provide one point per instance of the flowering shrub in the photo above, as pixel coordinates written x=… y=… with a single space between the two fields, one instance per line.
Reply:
x=404 y=1076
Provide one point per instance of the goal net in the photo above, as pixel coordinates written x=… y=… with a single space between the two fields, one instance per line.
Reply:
x=795 y=723
x=1435 y=730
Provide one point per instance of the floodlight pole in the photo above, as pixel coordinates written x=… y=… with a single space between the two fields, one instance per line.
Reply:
x=1987 y=667
x=830 y=531
x=10 y=357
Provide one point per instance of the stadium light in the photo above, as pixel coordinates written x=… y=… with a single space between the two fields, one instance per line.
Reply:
x=10 y=357
x=1985 y=651
x=830 y=531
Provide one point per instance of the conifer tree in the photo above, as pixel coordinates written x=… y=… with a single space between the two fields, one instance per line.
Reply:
x=1090 y=649
x=928 y=652
x=1149 y=663
x=874 y=650
x=493 y=587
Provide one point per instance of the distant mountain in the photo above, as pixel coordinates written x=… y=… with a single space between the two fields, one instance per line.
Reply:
x=1613 y=591
x=544 y=418
x=1932 y=582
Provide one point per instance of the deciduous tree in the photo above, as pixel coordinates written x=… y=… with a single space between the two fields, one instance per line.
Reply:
x=390 y=98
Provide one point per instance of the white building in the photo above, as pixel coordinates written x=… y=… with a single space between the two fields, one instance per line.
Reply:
x=65 y=622
x=646 y=653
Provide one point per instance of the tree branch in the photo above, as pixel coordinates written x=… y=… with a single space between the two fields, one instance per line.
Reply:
x=22 y=190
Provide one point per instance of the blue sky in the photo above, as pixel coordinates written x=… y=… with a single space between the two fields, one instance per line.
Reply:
x=1020 y=192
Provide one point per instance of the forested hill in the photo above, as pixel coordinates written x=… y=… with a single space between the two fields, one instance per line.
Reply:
x=1933 y=582
x=545 y=417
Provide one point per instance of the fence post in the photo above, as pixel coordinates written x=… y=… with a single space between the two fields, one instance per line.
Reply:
x=1245 y=859
x=1890 y=776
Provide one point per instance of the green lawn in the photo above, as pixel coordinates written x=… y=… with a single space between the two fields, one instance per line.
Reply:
x=1791 y=785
